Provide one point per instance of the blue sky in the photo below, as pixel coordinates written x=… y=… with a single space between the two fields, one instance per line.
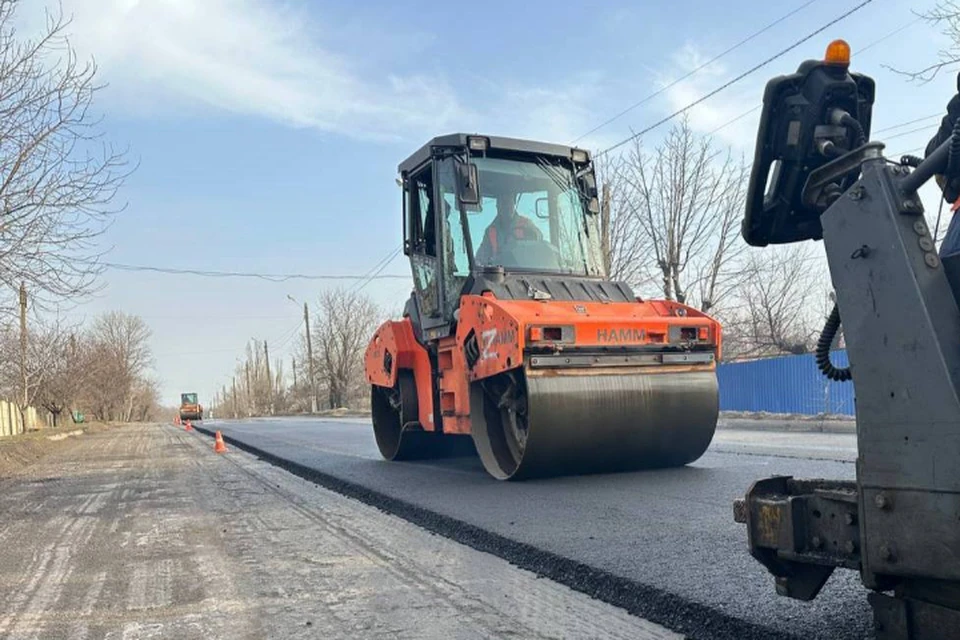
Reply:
x=268 y=132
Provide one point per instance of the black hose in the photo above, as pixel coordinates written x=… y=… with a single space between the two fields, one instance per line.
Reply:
x=860 y=135
x=860 y=139
x=953 y=157
x=934 y=163
x=830 y=328
x=910 y=161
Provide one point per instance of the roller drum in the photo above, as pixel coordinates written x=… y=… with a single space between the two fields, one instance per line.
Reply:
x=595 y=423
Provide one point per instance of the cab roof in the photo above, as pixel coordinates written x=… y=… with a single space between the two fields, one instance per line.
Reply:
x=495 y=143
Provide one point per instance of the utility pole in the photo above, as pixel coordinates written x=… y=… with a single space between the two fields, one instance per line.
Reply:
x=266 y=359
x=235 y=414
x=605 y=229
x=294 y=367
x=25 y=395
x=246 y=370
x=313 y=381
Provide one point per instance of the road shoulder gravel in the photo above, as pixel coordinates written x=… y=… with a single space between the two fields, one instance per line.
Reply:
x=145 y=532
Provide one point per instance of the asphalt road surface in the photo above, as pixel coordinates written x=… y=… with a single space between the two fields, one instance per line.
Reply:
x=143 y=532
x=661 y=544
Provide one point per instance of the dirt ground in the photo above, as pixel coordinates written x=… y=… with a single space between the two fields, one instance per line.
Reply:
x=143 y=532
x=20 y=451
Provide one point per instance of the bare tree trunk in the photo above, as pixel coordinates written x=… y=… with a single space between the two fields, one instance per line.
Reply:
x=687 y=200
x=605 y=229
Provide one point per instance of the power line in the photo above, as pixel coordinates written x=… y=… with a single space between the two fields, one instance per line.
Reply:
x=859 y=52
x=738 y=78
x=908 y=122
x=907 y=133
x=271 y=277
x=736 y=119
x=908 y=152
x=283 y=342
x=699 y=68
x=378 y=271
x=884 y=129
x=890 y=35
x=374 y=269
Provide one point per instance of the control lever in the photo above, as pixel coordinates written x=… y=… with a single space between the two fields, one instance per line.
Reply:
x=816 y=194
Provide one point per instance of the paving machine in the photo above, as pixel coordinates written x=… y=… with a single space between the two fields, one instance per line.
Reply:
x=514 y=337
x=816 y=176
x=190 y=407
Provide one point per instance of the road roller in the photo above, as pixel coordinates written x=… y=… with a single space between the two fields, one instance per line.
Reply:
x=514 y=341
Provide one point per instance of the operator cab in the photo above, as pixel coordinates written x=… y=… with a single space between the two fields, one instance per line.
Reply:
x=490 y=213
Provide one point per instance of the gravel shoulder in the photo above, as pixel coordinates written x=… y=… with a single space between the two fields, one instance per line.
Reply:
x=144 y=532
x=18 y=452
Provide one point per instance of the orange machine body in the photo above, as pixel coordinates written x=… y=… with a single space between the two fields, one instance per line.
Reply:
x=493 y=336
x=190 y=408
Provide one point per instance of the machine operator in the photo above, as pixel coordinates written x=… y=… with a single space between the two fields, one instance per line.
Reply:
x=951 y=189
x=507 y=226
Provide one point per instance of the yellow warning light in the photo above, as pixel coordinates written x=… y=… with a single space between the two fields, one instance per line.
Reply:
x=838 y=52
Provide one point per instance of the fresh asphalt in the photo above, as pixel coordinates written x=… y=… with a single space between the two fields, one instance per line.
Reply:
x=662 y=544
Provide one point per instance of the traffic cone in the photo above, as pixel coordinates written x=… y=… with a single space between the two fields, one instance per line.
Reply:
x=218 y=445
x=188 y=426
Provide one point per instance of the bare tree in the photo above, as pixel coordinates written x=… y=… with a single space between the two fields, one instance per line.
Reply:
x=688 y=198
x=340 y=331
x=42 y=368
x=146 y=401
x=58 y=179
x=102 y=370
x=119 y=357
x=626 y=248
x=66 y=377
x=343 y=325
x=780 y=305
x=946 y=15
x=299 y=395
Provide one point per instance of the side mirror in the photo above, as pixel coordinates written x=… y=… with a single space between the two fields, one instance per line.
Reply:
x=468 y=184
x=542 y=208
x=590 y=185
x=593 y=206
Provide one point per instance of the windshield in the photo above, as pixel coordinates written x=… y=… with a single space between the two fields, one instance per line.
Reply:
x=188 y=398
x=531 y=218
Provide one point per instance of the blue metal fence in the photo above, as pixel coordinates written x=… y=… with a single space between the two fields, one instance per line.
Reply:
x=789 y=384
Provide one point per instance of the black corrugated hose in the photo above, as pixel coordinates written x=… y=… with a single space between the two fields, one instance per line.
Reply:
x=953 y=160
x=829 y=332
x=832 y=325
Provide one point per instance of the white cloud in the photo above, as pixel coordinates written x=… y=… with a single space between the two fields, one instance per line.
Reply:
x=719 y=110
x=250 y=57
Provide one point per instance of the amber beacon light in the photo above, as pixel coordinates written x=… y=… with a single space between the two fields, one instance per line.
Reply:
x=838 y=52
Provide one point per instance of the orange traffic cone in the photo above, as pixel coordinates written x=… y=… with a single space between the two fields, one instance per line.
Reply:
x=218 y=445
x=188 y=426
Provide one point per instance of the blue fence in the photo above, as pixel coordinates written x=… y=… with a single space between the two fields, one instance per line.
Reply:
x=790 y=384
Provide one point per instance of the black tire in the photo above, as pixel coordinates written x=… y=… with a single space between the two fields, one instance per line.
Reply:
x=394 y=411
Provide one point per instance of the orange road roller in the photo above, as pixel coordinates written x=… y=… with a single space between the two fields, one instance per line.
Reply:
x=514 y=337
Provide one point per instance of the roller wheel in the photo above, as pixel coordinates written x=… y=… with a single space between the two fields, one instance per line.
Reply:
x=505 y=426
x=564 y=423
x=393 y=409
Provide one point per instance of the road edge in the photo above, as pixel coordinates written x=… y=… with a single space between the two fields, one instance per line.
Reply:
x=694 y=620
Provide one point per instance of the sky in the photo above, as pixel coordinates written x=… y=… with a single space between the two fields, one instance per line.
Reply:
x=267 y=133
